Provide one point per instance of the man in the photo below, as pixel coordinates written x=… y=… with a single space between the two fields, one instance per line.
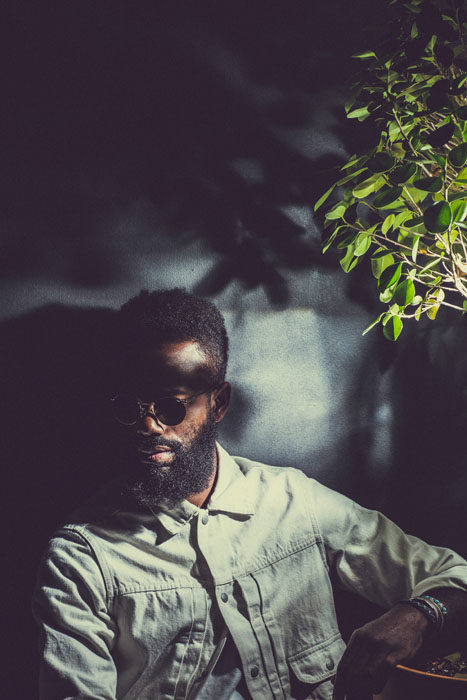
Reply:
x=204 y=576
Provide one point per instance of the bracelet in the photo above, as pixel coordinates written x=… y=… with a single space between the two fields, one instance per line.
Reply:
x=433 y=609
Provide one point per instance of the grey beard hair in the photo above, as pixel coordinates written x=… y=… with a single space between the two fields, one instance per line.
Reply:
x=189 y=473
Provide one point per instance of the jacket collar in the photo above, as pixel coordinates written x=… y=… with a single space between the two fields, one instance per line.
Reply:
x=229 y=496
x=230 y=493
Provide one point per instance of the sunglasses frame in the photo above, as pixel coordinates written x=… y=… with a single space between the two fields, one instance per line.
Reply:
x=144 y=406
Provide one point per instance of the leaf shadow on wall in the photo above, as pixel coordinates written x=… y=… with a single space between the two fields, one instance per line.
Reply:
x=206 y=110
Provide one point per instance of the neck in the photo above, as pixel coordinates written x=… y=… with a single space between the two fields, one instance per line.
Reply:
x=201 y=498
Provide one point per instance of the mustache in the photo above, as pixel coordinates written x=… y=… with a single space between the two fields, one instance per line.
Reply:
x=152 y=443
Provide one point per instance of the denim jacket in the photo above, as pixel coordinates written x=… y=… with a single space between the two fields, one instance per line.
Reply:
x=133 y=605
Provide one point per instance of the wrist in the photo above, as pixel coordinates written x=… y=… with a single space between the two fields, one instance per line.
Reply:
x=430 y=609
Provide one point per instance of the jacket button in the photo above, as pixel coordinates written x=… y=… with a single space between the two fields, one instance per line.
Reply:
x=224 y=597
x=205 y=520
x=254 y=671
x=329 y=664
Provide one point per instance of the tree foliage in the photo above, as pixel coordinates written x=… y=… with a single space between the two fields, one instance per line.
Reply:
x=403 y=203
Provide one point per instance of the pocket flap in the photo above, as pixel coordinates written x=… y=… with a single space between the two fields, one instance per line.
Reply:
x=318 y=662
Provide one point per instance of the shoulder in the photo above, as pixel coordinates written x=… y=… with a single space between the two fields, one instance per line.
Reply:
x=327 y=508
x=275 y=488
x=269 y=474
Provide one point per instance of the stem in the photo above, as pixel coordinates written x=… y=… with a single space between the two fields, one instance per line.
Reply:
x=388 y=241
x=437 y=303
x=399 y=124
x=417 y=208
x=463 y=245
x=461 y=35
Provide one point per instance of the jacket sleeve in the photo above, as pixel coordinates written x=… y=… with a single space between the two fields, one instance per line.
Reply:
x=370 y=555
x=76 y=630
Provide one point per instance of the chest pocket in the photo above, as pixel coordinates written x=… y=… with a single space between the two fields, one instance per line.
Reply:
x=312 y=669
x=296 y=599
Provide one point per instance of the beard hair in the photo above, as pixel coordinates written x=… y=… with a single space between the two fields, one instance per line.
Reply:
x=190 y=471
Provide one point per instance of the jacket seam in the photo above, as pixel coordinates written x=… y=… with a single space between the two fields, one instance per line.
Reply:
x=98 y=559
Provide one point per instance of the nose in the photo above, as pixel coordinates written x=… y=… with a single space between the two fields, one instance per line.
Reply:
x=149 y=423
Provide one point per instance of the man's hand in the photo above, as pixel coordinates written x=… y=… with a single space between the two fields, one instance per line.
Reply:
x=377 y=647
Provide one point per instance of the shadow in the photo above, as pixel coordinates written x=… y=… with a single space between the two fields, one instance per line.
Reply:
x=58 y=446
x=206 y=110
x=427 y=489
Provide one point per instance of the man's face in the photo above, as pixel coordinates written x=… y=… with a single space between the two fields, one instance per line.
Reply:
x=173 y=462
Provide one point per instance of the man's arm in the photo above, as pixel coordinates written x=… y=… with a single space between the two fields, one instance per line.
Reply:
x=371 y=556
x=394 y=638
x=76 y=630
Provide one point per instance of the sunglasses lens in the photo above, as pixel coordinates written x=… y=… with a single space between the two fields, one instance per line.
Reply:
x=170 y=411
x=125 y=409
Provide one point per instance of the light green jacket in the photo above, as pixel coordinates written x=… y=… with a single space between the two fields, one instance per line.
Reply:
x=132 y=605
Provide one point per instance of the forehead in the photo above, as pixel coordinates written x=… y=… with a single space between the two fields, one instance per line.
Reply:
x=168 y=366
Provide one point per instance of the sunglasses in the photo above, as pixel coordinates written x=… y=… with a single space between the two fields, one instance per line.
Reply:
x=129 y=410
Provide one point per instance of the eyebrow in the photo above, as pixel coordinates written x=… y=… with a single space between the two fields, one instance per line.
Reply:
x=174 y=390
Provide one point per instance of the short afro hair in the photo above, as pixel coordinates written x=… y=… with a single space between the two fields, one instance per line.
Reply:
x=175 y=315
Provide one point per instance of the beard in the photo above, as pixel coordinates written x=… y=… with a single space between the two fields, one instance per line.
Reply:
x=188 y=473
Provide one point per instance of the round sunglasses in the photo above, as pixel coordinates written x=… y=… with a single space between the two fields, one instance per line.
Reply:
x=129 y=410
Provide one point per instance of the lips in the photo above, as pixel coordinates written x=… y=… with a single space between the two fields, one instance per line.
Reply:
x=160 y=453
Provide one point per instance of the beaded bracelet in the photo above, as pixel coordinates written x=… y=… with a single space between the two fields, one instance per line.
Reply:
x=433 y=609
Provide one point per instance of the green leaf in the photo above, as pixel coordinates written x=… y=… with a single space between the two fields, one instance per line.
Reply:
x=464 y=306
x=386 y=198
x=381 y=163
x=347 y=240
x=398 y=150
x=404 y=292
x=429 y=184
x=358 y=113
x=347 y=259
x=416 y=243
x=336 y=212
x=354 y=160
x=387 y=223
x=457 y=86
x=327 y=243
x=401 y=218
x=392 y=329
x=403 y=173
x=390 y=276
x=459 y=210
x=458 y=156
x=440 y=136
x=362 y=243
x=380 y=263
x=371 y=184
x=373 y=324
x=411 y=223
x=322 y=199
x=364 y=54
x=462 y=176
x=438 y=217
x=430 y=265
x=347 y=178
x=454 y=196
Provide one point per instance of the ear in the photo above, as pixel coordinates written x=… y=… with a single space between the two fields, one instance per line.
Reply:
x=220 y=399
